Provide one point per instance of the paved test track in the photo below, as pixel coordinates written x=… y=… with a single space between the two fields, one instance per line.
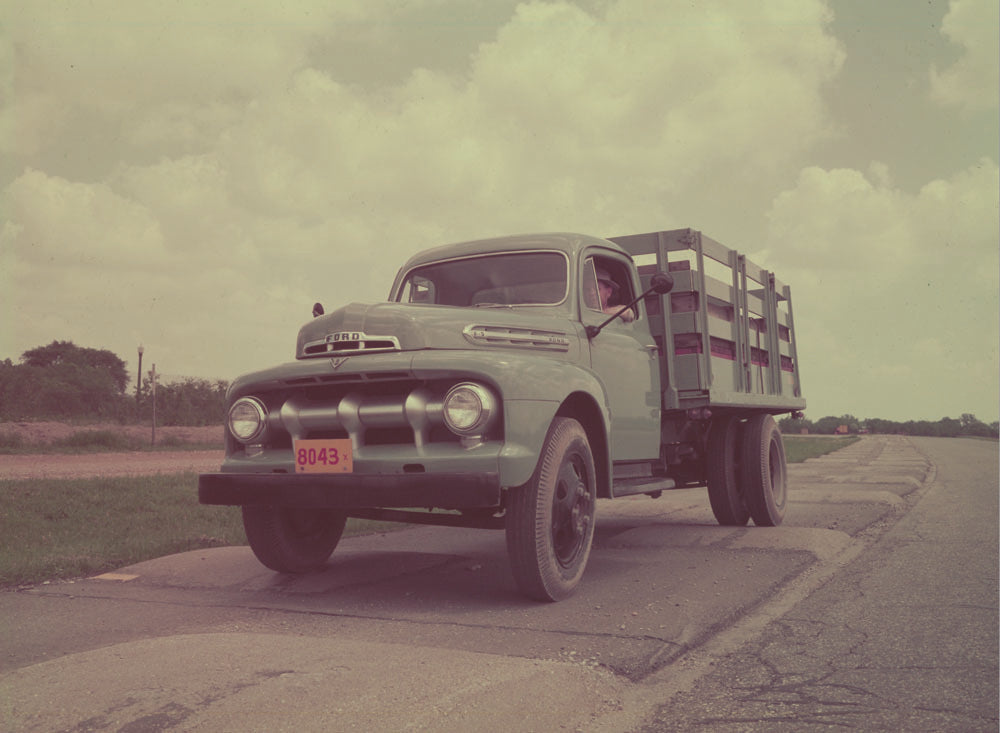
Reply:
x=422 y=629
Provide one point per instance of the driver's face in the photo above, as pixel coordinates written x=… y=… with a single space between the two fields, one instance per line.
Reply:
x=605 y=289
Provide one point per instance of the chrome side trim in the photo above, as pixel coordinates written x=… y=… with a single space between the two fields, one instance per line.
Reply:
x=484 y=335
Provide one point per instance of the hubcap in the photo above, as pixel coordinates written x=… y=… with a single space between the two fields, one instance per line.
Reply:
x=572 y=510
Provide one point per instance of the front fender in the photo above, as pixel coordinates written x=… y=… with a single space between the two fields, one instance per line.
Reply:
x=529 y=376
x=535 y=388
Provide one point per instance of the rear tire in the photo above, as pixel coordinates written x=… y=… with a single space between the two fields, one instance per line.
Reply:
x=723 y=472
x=764 y=471
x=550 y=519
x=291 y=540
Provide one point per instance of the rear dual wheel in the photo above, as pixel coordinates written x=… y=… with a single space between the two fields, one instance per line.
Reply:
x=725 y=479
x=747 y=472
x=765 y=472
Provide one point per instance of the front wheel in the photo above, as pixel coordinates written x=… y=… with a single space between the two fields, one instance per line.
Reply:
x=292 y=540
x=765 y=484
x=550 y=519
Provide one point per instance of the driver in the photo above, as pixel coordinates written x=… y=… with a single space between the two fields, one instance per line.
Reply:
x=608 y=290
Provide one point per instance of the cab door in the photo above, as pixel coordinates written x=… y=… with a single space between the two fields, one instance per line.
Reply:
x=624 y=357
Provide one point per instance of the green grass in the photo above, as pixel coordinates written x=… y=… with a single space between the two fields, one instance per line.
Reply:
x=98 y=441
x=11 y=443
x=798 y=448
x=57 y=529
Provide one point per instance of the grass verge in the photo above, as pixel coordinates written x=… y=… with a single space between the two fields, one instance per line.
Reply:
x=99 y=441
x=798 y=448
x=57 y=529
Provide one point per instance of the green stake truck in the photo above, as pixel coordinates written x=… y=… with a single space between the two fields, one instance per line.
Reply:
x=509 y=383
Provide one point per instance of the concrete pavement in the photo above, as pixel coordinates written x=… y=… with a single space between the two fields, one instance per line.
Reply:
x=422 y=629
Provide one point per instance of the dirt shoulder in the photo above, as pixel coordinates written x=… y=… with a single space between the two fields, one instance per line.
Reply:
x=43 y=434
x=42 y=464
x=94 y=465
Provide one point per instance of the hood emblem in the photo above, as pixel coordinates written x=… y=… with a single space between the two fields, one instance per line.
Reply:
x=345 y=336
x=337 y=361
x=348 y=343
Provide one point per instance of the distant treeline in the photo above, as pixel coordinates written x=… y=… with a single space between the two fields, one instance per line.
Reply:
x=946 y=427
x=66 y=382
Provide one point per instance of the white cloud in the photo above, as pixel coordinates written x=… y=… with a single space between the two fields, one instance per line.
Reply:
x=194 y=177
x=65 y=224
x=894 y=293
x=972 y=81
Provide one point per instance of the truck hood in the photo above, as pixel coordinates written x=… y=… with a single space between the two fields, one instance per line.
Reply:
x=360 y=328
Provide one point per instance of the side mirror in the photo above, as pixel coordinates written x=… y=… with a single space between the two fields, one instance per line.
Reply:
x=318 y=310
x=661 y=283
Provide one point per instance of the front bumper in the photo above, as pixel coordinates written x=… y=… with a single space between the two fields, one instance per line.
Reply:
x=465 y=490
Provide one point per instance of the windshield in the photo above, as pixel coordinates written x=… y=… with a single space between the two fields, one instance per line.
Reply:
x=515 y=278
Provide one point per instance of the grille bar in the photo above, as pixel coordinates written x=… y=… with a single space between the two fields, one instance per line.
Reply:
x=355 y=412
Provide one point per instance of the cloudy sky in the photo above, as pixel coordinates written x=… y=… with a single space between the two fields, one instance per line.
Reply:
x=192 y=176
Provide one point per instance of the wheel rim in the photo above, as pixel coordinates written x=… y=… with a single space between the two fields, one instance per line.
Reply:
x=572 y=510
x=776 y=471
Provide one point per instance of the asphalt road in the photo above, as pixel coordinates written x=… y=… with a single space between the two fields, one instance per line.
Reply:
x=903 y=638
x=874 y=606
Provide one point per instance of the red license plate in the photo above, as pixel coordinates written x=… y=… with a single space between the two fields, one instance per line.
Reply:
x=323 y=456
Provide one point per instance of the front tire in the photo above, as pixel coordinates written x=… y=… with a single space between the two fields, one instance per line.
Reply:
x=292 y=540
x=765 y=472
x=550 y=519
x=723 y=473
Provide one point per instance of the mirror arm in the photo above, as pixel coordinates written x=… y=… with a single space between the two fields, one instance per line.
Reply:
x=661 y=284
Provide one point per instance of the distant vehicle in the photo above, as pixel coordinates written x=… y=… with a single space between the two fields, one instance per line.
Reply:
x=508 y=383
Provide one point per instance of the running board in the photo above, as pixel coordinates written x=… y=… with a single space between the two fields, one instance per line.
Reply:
x=643 y=485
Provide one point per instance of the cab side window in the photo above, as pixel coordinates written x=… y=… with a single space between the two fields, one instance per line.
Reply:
x=609 y=280
x=591 y=299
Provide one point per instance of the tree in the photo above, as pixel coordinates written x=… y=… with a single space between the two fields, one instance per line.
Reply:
x=948 y=427
x=828 y=425
x=186 y=402
x=67 y=353
x=792 y=426
x=60 y=391
x=972 y=426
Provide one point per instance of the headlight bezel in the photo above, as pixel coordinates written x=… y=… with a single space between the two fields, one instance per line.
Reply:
x=483 y=402
x=258 y=414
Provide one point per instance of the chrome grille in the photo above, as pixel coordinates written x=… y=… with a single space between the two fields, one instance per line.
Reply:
x=418 y=411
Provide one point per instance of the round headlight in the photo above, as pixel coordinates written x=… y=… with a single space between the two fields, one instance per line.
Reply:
x=247 y=419
x=468 y=408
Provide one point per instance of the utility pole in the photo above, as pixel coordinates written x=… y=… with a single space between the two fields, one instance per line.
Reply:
x=153 y=391
x=138 y=382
